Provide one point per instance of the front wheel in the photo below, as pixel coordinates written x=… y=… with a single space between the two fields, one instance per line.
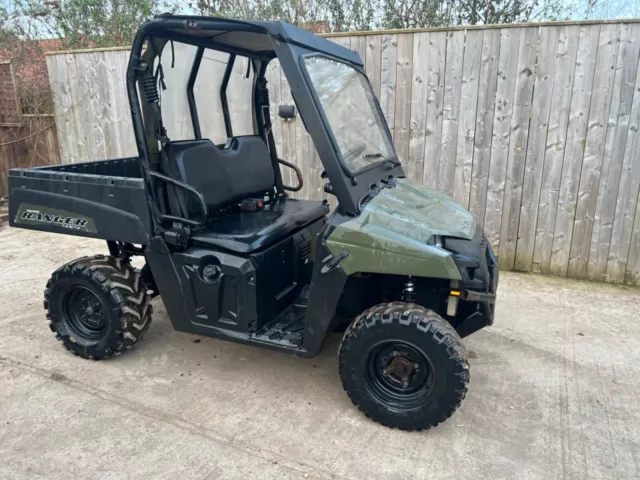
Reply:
x=404 y=366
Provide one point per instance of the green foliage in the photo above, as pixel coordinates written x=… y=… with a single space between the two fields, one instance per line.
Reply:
x=348 y=15
x=88 y=23
x=439 y=13
x=417 y=14
x=315 y=15
x=105 y=23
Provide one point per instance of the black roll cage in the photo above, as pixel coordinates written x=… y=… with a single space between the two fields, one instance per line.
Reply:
x=193 y=109
x=260 y=42
x=134 y=72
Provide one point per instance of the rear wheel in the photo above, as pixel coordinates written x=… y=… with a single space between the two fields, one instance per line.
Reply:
x=404 y=366
x=97 y=306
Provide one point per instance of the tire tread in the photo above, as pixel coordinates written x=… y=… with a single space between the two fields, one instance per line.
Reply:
x=122 y=283
x=425 y=321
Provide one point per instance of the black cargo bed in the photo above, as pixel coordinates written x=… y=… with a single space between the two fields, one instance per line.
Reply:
x=103 y=199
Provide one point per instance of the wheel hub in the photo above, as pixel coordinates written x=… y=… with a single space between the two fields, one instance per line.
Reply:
x=399 y=370
x=85 y=313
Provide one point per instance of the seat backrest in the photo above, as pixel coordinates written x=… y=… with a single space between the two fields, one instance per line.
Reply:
x=223 y=175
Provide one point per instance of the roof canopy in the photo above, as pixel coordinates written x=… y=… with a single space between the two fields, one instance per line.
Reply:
x=249 y=37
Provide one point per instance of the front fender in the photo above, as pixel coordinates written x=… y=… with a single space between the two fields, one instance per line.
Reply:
x=374 y=247
x=383 y=255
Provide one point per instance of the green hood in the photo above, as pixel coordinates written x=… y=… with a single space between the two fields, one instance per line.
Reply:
x=390 y=235
x=420 y=211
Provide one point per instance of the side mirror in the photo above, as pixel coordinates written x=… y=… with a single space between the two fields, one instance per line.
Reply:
x=287 y=112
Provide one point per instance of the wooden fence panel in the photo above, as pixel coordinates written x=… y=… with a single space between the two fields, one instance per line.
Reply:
x=587 y=196
x=536 y=147
x=66 y=115
x=627 y=201
x=614 y=150
x=484 y=124
x=32 y=144
x=534 y=128
x=556 y=136
x=404 y=83
x=359 y=45
x=435 y=97
x=467 y=123
x=507 y=67
x=451 y=110
x=388 y=66
x=574 y=150
x=518 y=137
x=372 y=61
x=414 y=162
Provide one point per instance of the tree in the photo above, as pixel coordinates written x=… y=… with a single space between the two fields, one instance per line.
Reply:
x=616 y=9
x=437 y=13
x=88 y=23
x=417 y=14
x=20 y=43
x=475 y=12
x=316 y=15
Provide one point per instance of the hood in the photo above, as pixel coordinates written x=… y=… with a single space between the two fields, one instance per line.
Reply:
x=418 y=212
x=392 y=232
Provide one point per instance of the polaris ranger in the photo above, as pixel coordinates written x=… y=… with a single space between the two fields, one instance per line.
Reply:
x=403 y=270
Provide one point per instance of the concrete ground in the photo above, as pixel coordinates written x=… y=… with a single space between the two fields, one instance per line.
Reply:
x=554 y=394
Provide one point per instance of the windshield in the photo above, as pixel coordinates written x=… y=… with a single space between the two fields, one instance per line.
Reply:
x=349 y=105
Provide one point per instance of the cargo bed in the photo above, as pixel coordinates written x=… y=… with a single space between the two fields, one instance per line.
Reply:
x=104 y=199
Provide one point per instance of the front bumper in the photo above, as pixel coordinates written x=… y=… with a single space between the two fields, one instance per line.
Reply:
x=479 y=271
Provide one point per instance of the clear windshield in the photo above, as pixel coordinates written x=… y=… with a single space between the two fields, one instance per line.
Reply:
x=349 y=105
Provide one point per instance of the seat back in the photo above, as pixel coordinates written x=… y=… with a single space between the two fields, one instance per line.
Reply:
x=224 y=176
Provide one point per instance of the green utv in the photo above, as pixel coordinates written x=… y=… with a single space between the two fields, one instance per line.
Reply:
x=404 y=269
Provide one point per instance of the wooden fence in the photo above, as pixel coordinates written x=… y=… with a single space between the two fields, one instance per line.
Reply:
x=534 y=128
x=32 y=144
x=25 y=140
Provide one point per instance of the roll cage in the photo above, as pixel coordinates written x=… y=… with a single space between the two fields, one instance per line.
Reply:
x=260 y=42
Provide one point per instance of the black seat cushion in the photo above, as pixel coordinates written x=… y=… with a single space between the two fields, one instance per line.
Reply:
x=246 y=232
x=223 y=175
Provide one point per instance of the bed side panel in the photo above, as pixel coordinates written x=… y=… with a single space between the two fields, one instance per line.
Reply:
x=109 y=208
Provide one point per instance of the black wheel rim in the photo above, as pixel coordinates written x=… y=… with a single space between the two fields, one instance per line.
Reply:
x=399 y=375
x=85 y=313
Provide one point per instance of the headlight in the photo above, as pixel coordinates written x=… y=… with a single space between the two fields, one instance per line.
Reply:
x=437 y=241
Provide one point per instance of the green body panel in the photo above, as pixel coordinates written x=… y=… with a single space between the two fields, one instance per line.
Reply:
x=390 y=235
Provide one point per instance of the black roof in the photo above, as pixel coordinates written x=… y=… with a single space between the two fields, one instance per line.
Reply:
x=247 y=35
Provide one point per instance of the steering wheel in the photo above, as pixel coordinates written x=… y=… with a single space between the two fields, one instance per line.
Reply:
x=354 y=152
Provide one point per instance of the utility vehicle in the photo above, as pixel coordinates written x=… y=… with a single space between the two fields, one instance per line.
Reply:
x=404 y=271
